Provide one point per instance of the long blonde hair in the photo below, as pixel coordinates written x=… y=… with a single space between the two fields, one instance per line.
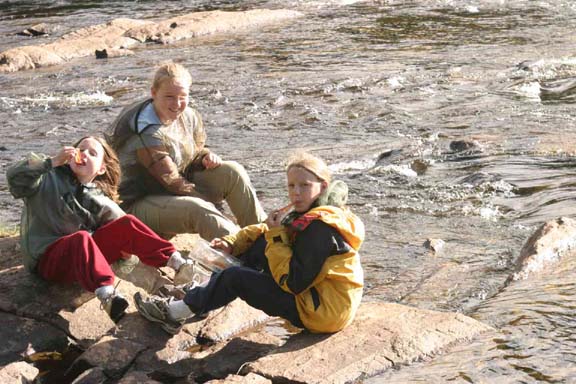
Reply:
x=109 y=181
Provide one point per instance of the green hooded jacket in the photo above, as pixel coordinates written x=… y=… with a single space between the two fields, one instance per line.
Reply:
x=55 y=205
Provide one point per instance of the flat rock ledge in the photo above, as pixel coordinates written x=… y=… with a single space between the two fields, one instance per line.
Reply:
x=237 y=344
x=118 y=35
x=381 y=336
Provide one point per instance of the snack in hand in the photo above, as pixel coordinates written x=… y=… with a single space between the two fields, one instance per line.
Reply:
x=78 y=157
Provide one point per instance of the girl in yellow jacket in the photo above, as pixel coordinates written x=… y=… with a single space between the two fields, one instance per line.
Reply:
x=303 y=265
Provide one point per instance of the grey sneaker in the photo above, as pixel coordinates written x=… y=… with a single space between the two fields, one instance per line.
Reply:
x=191 y=272
x=155 y=309
x=115 y=306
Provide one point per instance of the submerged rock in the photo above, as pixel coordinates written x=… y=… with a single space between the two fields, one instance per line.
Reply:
x=116 y=36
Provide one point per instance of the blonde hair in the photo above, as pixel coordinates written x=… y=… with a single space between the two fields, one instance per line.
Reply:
x=312 y=164
x=171 y=71
x=109 y=181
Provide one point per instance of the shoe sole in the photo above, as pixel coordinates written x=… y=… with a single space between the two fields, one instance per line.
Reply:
x=143 y=312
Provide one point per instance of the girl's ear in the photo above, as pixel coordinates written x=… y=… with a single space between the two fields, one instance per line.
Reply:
x=153 y=92
x=324 y=185
x=102 y=170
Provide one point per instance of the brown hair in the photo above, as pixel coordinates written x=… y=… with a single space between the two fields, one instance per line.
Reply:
x=170 y=71
x=109 y=181
x=312 y=164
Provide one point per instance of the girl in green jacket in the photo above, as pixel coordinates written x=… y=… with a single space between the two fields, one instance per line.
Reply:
x=72 y=228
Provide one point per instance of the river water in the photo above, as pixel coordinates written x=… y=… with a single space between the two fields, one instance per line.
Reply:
x=429 y=110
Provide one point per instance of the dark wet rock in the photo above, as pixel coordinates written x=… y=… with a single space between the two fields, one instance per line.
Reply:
x=120 y=34
x=19 y=333
x=114 y=356
x=526 y=65
x=18 y=373
x=558 y=89
x=381 y=336
x=545 y=248
x=478 y=178
x=250 y=378
x=388 y=156
x=463 y=145
x=41 y=29
x=419 y=166
x=109 y=53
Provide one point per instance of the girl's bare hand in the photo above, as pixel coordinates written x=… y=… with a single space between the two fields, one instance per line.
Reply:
x=64 y=156
x=222 y=245
x=211 y=160
x=275 y=217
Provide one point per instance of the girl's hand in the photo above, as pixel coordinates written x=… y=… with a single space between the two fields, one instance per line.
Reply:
x=64 y=156
x=222 y=245
x=211 y=160
x=275 y=217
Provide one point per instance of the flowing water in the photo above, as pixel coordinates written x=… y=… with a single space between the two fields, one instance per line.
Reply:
x=431 y=111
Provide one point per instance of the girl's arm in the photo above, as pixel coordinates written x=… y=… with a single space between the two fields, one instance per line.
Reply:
x=243 y=239
x=25 y=177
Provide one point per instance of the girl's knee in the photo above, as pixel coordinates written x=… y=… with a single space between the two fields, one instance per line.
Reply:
x=81 y=237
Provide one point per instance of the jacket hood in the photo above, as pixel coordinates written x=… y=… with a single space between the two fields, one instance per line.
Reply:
x=347 y=223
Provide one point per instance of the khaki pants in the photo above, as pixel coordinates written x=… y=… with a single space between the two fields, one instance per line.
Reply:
x=169 y=214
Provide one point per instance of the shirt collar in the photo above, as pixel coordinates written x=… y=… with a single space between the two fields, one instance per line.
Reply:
x=147 y=117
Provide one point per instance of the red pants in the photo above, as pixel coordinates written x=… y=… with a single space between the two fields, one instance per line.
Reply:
x=84 y=258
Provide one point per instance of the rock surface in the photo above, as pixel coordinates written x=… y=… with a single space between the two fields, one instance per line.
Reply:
x=116 y=36
x=381 y=336
x=545 y=247
x=228 y=341
x=18 y=373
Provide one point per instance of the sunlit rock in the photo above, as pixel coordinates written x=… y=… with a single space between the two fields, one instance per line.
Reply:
x=435 y=245
x=116 y=36
x=545 y=247
x=18 y=373
x=250 y=378
x=381 y=336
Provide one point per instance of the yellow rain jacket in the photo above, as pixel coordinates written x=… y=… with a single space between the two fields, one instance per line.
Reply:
x=329 y=302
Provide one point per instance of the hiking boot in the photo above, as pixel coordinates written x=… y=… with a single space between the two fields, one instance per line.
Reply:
x=155 y=309
x=191 y=272
x=115 y=306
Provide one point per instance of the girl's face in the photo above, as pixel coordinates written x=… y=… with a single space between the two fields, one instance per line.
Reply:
x=170 y=100
x=92 y=165
x=303 y=188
